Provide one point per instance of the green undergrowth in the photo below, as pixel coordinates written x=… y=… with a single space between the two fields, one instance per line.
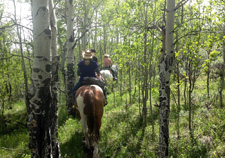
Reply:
x=13 y=132
x=70 y=139
x=123 y=133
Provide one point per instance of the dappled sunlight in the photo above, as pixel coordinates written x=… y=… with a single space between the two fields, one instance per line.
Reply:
x=70 y=139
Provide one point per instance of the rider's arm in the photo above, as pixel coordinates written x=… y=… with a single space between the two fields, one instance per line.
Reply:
x=97 y=71
x=110 y=62
x=78 y=71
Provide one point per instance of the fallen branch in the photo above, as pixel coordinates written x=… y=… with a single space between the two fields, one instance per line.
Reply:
x=8 y=149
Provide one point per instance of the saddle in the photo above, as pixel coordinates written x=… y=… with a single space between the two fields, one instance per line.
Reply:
x=95 y=81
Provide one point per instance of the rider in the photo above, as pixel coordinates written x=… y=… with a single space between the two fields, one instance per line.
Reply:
x=107 y=63
x=95 y=58
x=86 y=68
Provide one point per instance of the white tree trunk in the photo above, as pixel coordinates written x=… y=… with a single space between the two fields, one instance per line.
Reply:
x=70 y=77
x=84 y=25
x=54 y=83
x=40 y=102
x=166 y=67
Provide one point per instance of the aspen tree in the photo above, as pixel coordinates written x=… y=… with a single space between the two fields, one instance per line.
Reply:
x=40 y=114
x=54 y=83
x=70 y=76
x=166 y=67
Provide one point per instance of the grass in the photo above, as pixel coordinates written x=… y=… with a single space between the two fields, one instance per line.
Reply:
x=122 y=132
x=15 y=144
x=70 y=138
x=13 y=132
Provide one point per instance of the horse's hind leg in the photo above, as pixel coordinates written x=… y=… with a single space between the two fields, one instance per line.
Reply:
x=95 y=152
x=87 y=143
x=85 y=132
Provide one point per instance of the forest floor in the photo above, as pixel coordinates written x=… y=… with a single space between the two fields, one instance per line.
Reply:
x=123 y=134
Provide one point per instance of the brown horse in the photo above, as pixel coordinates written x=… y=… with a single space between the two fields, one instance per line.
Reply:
x=89 y=102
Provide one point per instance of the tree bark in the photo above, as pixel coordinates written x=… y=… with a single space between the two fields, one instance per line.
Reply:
x=39 y=117
x=84 y=25
x=54 y=83
x=70 y=76
x=166 y=67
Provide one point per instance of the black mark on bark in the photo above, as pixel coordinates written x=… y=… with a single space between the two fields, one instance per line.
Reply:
x=48 y=67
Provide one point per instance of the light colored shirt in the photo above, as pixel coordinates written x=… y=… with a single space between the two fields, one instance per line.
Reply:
x=107 y=62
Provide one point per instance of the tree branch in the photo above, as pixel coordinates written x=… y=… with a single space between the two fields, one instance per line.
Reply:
x=154 y=26
x=24 y=27
x=16 y=56
x=180 y=4
x=4 y=27
x=189 y=33
x=193 y=33
x=75 y=43
x=186 y=22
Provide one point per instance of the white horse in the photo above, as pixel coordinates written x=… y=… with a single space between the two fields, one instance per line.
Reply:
x=115 y=69
x=106 y=74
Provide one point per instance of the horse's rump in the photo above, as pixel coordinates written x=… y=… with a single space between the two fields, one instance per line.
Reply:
x=89 y=104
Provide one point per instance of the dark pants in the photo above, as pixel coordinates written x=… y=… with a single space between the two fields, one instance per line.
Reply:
x=105 y=93
x=110 y=68
x=75 y=88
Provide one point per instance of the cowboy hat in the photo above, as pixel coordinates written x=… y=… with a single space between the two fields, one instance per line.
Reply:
x=106 y=55
x=87 y=54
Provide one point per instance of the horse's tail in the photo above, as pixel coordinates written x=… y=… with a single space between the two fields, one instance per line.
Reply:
x=89 y=102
